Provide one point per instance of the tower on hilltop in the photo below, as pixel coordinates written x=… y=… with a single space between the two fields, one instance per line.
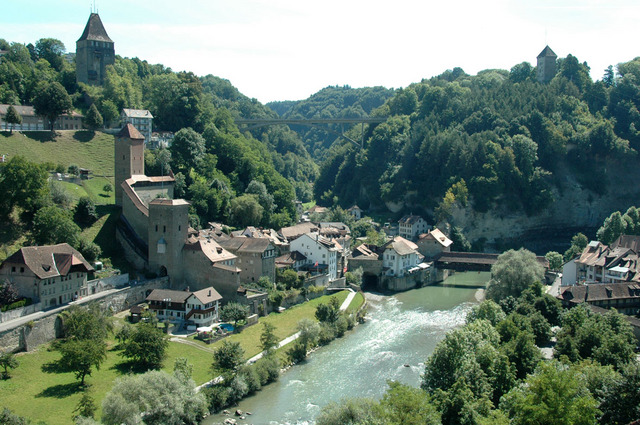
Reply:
x=546 y=65
x=94 y=51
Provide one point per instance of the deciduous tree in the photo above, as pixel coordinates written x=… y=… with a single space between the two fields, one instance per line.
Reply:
x=147 y=346
x=51 y=101
x=513 y=272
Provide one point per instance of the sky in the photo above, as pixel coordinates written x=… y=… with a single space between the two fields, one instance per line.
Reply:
x=289 y=49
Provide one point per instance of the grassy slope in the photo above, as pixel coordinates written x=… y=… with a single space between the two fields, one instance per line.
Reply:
x=85 y=149
x=51 y=397
x=82 y=148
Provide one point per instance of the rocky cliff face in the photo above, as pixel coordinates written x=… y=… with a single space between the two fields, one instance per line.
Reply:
x=575 y=209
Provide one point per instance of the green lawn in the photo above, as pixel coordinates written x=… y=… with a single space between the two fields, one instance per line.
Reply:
x=51 y=397
x=82 y=148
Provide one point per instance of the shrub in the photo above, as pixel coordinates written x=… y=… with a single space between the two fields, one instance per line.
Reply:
x=17 y=304
x=268 y=369
x=251 y=378
x=341 y=326
x=217 y=396
x=327 y=334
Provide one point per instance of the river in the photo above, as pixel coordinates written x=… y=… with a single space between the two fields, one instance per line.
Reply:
x=400 y=330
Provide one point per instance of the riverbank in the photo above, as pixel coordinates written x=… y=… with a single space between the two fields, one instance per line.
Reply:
x=401 y=329
x=52 y=397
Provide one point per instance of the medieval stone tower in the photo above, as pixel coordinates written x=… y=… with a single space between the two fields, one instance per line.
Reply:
x=168 y=231
x=129 y=157
x=94 y=51
x=546 y=65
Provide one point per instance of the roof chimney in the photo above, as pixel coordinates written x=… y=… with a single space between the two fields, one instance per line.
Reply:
x=209 y=292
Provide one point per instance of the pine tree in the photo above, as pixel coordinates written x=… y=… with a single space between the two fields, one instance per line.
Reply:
x=93 y=119
x=13 y=117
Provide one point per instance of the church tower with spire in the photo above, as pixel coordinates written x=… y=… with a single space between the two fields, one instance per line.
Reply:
x=94 y=51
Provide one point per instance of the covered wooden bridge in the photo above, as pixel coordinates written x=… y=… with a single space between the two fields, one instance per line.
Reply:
x=471 y=261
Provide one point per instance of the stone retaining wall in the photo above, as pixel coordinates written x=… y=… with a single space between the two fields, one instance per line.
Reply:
x=19 y=312
x=45 y=329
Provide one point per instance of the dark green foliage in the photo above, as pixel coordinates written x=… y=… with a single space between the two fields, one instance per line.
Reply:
x=328 y=312
x=621 y=404
x=22 y=184
x=51 y=101
x=187 y=149
x=503 y=133
x=554 y=394
x=607 y=338
x=86 y=407
x=89 y=250
x=618 y=224
x=12 y=117
x=93 y=119
x=268 y=340
x=52 y=225
x=147 y=346
x=228 y=357
x=85 y=213
x=81 y=355
x=234 y=312
x=578 y=243
x=8 y=361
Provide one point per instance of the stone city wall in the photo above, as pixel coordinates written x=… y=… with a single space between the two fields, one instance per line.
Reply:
x=45 y=329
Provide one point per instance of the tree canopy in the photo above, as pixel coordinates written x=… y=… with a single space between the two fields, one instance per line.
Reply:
x=513 y=272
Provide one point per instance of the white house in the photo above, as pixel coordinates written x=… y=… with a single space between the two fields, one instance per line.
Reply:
x=141 y=119
x=399 y=256
x=410 y=226
x=199 y=308
x=319 y=251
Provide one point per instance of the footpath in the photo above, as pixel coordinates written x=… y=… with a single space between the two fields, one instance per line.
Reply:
x=281 y=344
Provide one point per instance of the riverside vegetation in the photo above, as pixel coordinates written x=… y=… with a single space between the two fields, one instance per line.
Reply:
x=57 y=391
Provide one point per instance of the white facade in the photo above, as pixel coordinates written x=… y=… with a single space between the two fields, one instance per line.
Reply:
x=318 y=250
x=569 y=273
x=141 y=119
x=409 y=227
x=398 y=264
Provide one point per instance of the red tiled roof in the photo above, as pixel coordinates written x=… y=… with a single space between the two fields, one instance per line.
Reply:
x=130 y=132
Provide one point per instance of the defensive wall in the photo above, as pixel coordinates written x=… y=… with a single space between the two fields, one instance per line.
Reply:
x=28 y=336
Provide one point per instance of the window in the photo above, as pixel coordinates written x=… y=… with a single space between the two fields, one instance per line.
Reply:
x=21 y=269
x=13 y=269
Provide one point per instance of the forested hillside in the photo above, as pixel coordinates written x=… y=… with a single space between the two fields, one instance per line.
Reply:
x=499 y=139
x=330 y=102
x=211 y=171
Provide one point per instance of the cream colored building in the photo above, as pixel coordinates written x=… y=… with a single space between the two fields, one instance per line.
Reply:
x=51 y=274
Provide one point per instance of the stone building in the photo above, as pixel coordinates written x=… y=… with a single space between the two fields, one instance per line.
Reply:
x=546 y=65
x=94 y=52
x=51 y=274
x=154 y=228
x=33 y=121
x=433 y=243
x=256 y=257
